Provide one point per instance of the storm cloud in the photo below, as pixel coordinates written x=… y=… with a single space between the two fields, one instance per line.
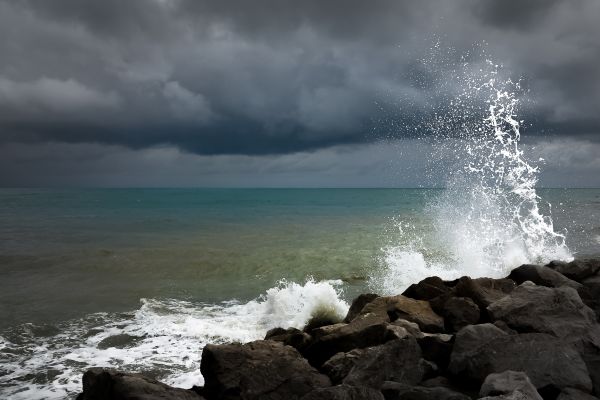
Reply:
x=274 y=77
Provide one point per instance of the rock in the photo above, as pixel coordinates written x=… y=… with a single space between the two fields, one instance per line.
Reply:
x=536 y=354
x=344 y=392
x=483 y=291
x=108 y=384
x=363 y=331
x=411 y=327
x=427 y=289
x=340 y=365
x=397 y=360
x=263 y=369
x=542 y=276
x=577 y=270
x=509 y=383
x=574 y=394
x=459 y=312
x=358 y=304
x=119 y=341
x=290 y=337
x=590 y=293
x=437 y=348
x=391 y=308
x=399 y=391
x=470 y=341
x=530 y=308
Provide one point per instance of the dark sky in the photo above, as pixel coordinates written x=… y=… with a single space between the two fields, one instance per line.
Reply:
x=276 y=92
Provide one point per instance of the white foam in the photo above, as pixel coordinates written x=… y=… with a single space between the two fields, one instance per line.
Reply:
x=488 y=219
x=171 y=336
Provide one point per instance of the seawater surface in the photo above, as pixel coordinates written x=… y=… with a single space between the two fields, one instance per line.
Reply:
x=142 y=279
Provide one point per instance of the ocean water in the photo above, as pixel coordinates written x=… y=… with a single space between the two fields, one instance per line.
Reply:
x=175 y=269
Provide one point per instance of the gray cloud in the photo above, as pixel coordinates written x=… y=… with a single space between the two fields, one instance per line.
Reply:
x=277 y=77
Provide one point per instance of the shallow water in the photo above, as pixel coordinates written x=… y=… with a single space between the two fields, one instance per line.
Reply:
x=177 y=268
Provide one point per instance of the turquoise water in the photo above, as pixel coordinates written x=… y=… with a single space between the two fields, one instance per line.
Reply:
x=183 y=267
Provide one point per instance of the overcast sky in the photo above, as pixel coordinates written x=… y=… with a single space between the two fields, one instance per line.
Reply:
x=277 y=92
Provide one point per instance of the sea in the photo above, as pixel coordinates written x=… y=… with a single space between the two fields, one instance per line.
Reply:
x=142 y=279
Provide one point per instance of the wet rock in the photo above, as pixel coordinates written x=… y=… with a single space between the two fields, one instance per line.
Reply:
x=290 y=337
x=574 y=394
x=399 y=391
x=108 y=384
x=258 y=370
x=531 y=308
x=344 y=392
x=411 y=327
x=459 y=312
x=509 y=383
x=363 y=331
x=535 y=354
x=120 y=341
x=577 y=270
x=541 y=276
x=590 y=294
x=437 y=348
x=358 y=304
x=483 y=291
x=340 y=365
x=427 y=289
x=397 y=360
x=391 y=308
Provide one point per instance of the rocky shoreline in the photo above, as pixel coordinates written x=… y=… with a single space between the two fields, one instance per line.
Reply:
x=532 y=335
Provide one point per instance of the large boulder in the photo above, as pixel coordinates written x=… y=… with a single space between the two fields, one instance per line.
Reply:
x=531 y=308
x=290 y=337
x=549 y=362
x=516 y=384
x=437 y=348
x=363 y=331
x=358 y=304
x=429 y=288
x=340 y=365
x=397 y=360
x=542 y=276
x=590 y=293
x=344 y=392
x=483 y=291
x=108 y=384
x=262 y=369
x=574 y=394
x=399 y=391
x=459 y=312
x=577 y=270
x=391 y=308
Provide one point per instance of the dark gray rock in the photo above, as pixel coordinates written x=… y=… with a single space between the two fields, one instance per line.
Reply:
x=427 y=289
x=262 y=369
x=290 y=337
x=483 y=291
x=108 y=384
x=459 y=312
x=391 y=308
x=437 y=348
x=398 y=360
x=531 y=308
x=358 y=304
x=541 y=276
x=577 y=270
x=340 y=365
x=509 y=383
x=574 y=394
x=399 y=391
x=548 y=361
x=344 y=392
x=119 y=341
x=363 y=331
x=590 y=293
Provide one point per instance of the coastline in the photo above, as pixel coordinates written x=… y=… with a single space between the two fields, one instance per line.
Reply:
x=531 y=335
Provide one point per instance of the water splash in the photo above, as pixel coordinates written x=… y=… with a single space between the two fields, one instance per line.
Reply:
x=163 y=338
x=488 y=219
